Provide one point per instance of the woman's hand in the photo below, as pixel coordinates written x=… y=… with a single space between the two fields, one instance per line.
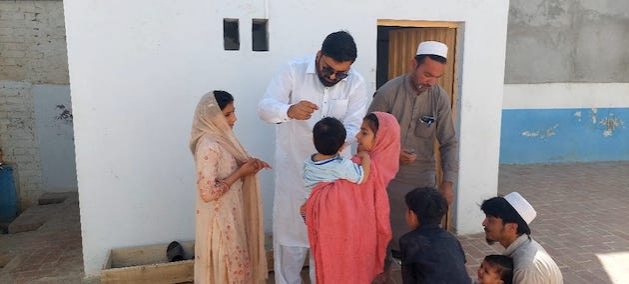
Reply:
x=253 y=166
x=205 y=196
x=249 y=167
x=261 y=165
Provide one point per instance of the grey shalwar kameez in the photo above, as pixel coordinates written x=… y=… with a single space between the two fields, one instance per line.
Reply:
x=422 y=118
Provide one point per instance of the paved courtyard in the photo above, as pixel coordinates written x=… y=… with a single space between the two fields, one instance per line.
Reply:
x=582 y=218
x=51 y=254
x=582 y=221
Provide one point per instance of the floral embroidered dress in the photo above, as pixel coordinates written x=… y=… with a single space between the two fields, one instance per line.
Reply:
x=221 y=248
x=229 y=240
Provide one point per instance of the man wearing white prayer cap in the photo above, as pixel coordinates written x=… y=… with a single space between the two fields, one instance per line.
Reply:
x=422 y=108
x=507 y=222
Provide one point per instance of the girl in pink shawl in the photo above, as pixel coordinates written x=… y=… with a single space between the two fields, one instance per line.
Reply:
x=348 y=224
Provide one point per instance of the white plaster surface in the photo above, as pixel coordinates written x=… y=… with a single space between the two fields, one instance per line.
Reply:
x=55 y=137
x=134 y=91
x=566 y=95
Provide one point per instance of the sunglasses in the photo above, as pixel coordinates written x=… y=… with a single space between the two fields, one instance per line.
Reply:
x=328 y=71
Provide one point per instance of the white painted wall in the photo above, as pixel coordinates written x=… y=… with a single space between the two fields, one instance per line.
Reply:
x=566 y=95
x=55 y=137
x=138 y=68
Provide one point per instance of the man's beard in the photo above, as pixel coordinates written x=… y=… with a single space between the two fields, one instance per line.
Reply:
x=325 y=82
x=488 y=240
x=322 y=78
x=422 y=88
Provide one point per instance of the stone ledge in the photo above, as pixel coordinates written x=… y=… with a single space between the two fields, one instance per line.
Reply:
x=53 y=197
x=34 y=217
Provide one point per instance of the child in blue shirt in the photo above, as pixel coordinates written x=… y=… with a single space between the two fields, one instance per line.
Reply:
x=327 y=165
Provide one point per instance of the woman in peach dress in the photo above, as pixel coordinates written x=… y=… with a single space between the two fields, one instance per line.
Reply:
x=229 y=245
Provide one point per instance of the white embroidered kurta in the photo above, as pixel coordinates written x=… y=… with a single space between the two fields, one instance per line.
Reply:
x=346 y=101
x=221 y=249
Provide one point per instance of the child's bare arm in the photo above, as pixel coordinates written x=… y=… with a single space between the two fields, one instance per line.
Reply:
x=302 y=212
x=366 y=163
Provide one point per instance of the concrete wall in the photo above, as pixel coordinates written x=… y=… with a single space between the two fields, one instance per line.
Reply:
x=53 y=124
x=565 y=122
x=565 y=135
x=567 y=41
x=133 y=162
x=33 y=60
x=567 y=96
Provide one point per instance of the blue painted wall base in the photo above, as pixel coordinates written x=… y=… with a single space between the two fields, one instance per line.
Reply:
x=564 y=135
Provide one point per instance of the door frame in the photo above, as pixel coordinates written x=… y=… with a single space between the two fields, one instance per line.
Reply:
x=455 y=96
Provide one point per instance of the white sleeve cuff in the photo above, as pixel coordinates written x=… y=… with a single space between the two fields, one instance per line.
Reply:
x=283 y=114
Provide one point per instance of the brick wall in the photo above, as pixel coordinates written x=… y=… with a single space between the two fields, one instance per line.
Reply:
x=32 y=51
x=33 y=42
x=18 y=140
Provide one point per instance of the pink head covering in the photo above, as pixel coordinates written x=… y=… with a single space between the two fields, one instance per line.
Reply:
x=348 y=224
x=387 y=146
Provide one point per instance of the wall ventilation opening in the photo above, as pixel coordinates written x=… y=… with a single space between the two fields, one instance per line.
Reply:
x=231 y=34
x=260 y=34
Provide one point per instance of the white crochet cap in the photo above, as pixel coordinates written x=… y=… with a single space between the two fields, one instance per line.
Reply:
x=523 y=207
x=433 y=47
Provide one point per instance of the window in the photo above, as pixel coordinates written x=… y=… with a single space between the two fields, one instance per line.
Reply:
x=260 y=34
x=231 y=37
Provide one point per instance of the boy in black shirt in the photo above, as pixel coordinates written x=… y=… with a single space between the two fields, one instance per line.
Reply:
x=429 y=253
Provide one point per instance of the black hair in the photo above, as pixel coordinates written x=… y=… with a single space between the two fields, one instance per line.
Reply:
x=421 y=58
x=428 y=204
x=372 y=121
x=329 y=135
x=223 y=98
x=499 y=207
x=340 y=46
x=504 y=266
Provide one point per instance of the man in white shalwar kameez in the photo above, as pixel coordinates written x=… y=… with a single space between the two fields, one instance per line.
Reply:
x=305 y=91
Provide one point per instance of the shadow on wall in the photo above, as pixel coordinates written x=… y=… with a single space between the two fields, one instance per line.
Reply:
x=55 y=135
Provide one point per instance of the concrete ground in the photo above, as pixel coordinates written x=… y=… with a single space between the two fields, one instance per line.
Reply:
x=50 y=254
x=582 y=218
x=582 y=222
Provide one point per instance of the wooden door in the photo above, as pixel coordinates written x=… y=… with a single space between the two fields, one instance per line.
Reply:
x=403 y=47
